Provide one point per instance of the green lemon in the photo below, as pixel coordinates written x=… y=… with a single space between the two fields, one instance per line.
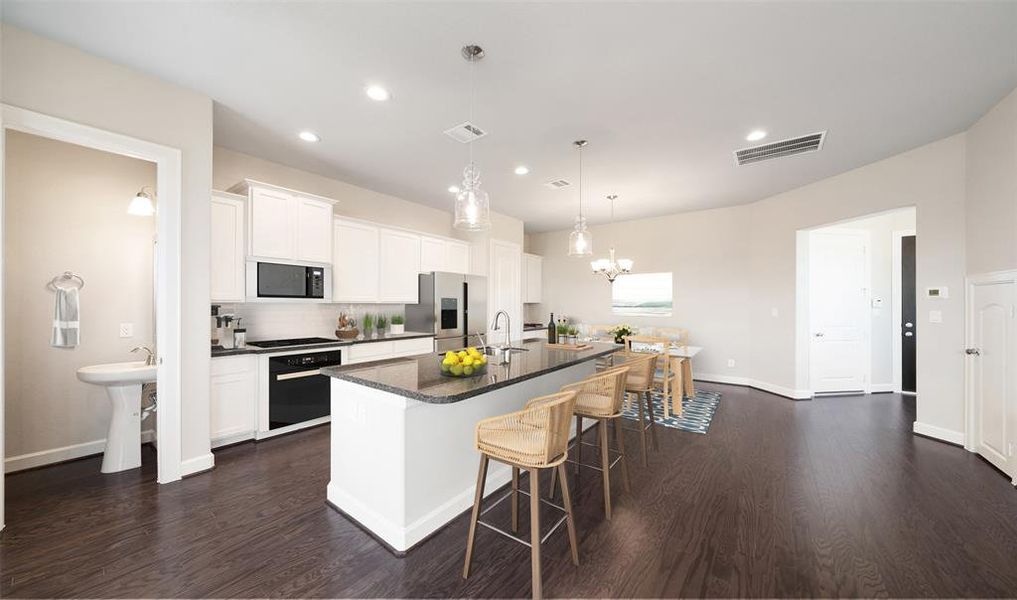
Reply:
x=457 y=370
x=467 y=371
x=445 y=367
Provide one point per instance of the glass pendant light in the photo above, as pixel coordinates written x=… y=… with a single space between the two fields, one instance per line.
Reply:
x=611 y=267
x=473 y=206
x=580 y=240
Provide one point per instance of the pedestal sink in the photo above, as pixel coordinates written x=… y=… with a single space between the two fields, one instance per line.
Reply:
x=123 y=383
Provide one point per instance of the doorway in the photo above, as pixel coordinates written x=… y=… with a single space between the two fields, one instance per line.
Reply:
x=991 y=375
x=167 y=296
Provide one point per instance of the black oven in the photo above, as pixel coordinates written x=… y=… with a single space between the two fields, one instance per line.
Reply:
x=297 y=391
x=276 y=280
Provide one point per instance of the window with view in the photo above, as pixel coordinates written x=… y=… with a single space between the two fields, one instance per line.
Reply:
x=647 y=294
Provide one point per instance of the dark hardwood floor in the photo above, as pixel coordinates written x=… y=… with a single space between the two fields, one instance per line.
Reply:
x=833 y=497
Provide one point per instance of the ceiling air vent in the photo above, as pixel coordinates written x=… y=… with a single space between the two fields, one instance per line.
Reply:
x=557 y=184
x=465 y=132
x=790 y=147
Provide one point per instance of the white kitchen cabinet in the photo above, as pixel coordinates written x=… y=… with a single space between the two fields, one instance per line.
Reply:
x=314 y=230
x=457 y=257
x=532 y=273
x=226 y=252
x=449 y=256
x=383 y=349
x=355 y=265
x=233 y=399
x=286 y=224
x=399 y=256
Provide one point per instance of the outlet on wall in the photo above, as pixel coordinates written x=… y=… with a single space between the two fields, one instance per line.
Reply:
x=730 y=362
x=774 y=312
x=126 y=330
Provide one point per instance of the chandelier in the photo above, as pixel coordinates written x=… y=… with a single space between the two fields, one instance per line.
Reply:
x=580 y=240
x=611 y=267
x=473 y=206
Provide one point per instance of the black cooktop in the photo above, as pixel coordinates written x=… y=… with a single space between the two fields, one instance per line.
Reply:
x=290 y=342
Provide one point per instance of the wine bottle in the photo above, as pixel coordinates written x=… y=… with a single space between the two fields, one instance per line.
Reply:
x=552 y=332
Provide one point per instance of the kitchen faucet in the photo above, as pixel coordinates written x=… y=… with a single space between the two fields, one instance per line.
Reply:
x=150 y=358
x=508 y=326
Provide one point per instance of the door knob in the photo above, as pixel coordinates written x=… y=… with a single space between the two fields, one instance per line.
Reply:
x=820 y=334
x=909 y=334
x=972 y=351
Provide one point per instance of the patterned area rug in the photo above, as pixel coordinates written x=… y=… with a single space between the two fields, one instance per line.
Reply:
x=697 y=412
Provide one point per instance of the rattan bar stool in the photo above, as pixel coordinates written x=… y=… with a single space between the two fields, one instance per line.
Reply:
x=640 y=382
x=534 y=438
x=600 y=397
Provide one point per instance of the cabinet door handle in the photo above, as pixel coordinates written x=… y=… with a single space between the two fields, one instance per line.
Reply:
x=298 y=375
x=972 y=351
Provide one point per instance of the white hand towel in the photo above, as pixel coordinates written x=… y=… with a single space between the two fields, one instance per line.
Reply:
x=65 y=318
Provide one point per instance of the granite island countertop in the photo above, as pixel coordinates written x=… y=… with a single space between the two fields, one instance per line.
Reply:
x=419 y=377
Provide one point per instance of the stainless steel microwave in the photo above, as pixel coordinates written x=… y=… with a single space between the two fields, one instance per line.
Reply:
x=285 y=281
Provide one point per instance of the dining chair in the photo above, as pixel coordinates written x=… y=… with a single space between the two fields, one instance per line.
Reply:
x=666 y=376
x=680 y=338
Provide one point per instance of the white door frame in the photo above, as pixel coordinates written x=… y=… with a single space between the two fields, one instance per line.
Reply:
x=168 y=297
x=970 y=443
x=867 y=321
x=897 y=306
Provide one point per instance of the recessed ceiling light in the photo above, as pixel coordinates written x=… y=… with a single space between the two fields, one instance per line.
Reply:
x=309 y=136
x=522 y=170
x=377 y=93
x=756 y=135
x=453 y=189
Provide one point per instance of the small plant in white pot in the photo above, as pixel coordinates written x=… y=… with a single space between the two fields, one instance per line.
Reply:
x=381 y=321
x=398 y=324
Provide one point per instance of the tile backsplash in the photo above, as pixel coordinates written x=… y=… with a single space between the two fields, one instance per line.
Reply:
x=271 y=320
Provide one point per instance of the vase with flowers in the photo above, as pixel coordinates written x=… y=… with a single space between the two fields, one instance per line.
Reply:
x=620 y=332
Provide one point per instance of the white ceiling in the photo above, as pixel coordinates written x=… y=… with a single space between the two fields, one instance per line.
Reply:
x=664 y=92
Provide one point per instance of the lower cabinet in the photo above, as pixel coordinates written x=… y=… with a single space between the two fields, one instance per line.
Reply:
x=233 y=399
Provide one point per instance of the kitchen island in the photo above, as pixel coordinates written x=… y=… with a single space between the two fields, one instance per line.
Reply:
x=403 y=461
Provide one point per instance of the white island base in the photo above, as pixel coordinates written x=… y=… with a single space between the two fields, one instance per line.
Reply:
x=403 y=468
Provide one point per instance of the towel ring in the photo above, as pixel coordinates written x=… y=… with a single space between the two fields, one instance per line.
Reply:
x=65 y=277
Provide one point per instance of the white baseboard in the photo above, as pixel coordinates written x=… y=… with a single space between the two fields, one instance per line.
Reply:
x=55 y=455
x=231 y=438
x=940 y=433
x=880 y=388
x=756 y=383
x=197 y=464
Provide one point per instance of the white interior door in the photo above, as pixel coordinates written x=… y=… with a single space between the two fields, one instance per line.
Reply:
x=505 y=288
x=838 y=311
x=991 y=354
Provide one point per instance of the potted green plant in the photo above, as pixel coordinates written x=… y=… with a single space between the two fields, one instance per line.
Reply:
x=620 y=332
x=562 y=330
x=368 y=325
x=381 y=322
x=398 y=324
x=573 y=334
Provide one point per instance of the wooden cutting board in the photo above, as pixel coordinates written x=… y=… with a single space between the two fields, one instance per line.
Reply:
x=574 y=347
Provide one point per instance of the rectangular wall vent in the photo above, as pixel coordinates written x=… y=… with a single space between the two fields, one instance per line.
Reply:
x=799 y=145
x=557 y=184
x=465 y=132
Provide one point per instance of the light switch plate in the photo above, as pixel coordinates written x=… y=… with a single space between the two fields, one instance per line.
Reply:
x=126 y=330
x=731 y=362
x=935 y=316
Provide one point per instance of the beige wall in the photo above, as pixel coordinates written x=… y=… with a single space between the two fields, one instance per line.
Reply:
x=735 y=271
x=57 y=80
x=992 y=190
x=66 y=211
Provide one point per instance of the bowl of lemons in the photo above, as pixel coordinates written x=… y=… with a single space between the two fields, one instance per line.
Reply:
x=465 y=363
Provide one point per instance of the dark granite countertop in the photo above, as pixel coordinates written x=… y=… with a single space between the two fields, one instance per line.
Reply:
x=409 y=335
x=419 y=377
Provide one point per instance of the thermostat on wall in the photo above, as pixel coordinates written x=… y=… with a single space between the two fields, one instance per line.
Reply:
x=937 y=292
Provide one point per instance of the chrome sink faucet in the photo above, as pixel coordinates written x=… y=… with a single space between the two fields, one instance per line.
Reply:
x=508 y=326
x=149 y=358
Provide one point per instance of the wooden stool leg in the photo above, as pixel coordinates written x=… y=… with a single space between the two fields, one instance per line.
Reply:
x=477 y=499
x=620 y=439
x=605 y=464
x=579 y=445
x=653 y=421
x=570 y=520
x=554 y=481
x=515 y=499
x=535 y=529
x=642 y=430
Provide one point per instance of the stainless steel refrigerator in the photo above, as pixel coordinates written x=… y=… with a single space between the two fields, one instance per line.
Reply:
x=451 y=305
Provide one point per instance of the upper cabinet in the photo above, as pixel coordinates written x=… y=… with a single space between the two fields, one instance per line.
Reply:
x=286 y=224
x=355 y=268
x=399 y=256
x=443 y=254
x=226 y=253
x=532 y=273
